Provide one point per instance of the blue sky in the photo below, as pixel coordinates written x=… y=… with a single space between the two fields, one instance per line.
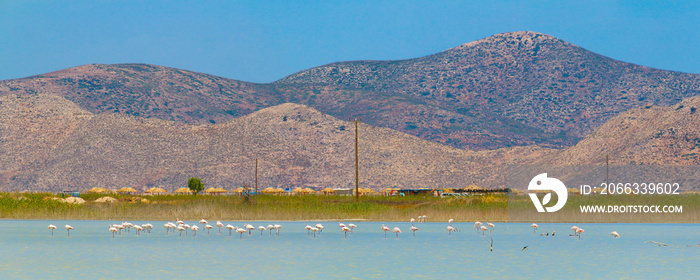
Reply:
x=250 y=41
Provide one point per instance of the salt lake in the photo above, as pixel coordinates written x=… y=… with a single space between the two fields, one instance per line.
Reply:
x=29 y=251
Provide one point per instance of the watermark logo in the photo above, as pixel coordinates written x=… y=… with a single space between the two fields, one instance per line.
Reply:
x=543 y=183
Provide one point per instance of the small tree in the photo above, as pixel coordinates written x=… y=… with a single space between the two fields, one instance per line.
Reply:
x=195 y=184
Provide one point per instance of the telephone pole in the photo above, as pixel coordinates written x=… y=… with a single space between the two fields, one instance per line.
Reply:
x=357 y=163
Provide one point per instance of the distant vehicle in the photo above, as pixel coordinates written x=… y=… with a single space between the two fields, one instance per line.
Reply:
x=449 y=194
x=70 y=193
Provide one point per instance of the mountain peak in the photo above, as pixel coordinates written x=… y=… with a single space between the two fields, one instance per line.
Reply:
x=523 y=37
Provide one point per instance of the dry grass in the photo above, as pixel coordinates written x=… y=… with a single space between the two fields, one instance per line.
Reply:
x=263 y=207
x=496 y=208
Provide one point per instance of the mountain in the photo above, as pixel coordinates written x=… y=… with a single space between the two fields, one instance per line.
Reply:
x=649 y=135
x=48 y=143
x=511 y=89
x=530 y=79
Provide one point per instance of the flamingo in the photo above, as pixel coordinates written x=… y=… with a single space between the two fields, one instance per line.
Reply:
x=579 y=231
x=203 y=222
x=397 y=230
x=413 y=220
x=477 y=224
x=241 y=231
x=385 y=229
x=250 y=228
x=425 y=219
x=352 y=227
x=270 y=228
x=181 y=229
x=308 y=229
x=208 y=227
x=615 y=234
x=68 y=228
x=113 y=230
x=320 y=228
x=491 y=226
x=128 y=226
x=230 y=228
x=120 y=228
x=261 y=229
x=534 y=227
x=147 y=227
x=450 y=228
x=278 y=228
x=574 y=228
x=52 y=227
x=315 y=229
x=345 y=230
x=220 y=225
x=138 y=229
x=186 y=226
x=483 y=229
x=194 y=229
x=414 y=229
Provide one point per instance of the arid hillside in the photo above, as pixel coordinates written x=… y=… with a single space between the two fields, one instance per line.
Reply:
x=48 y=143
x=511 y=89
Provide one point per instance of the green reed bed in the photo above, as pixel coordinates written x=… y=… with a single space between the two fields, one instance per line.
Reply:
x=496 y=208
x=262 y=207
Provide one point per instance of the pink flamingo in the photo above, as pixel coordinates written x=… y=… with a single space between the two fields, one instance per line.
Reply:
x=68 y=228
x=491 y=226
x=220 y=225
x=414 y=229
x=579 y=231
x=483 y=229
x=450 y=228
x=385 y=229
x=397 y=230
x=345 y=230
x=241 y=231
x=477 y=224
x=52 y=227
x=534 y=227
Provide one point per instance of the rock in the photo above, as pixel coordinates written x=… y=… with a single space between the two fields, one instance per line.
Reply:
x=74 y=200
x=106 y=199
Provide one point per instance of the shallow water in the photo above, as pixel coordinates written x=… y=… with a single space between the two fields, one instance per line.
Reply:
x=29 y=251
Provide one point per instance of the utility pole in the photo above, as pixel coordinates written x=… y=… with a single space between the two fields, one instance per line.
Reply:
x=357 y=163
x=256 y=176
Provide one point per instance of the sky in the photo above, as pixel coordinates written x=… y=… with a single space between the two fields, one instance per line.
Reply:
x=263 y=41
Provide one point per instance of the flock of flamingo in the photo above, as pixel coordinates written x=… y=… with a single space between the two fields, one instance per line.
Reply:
x=181 y=226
